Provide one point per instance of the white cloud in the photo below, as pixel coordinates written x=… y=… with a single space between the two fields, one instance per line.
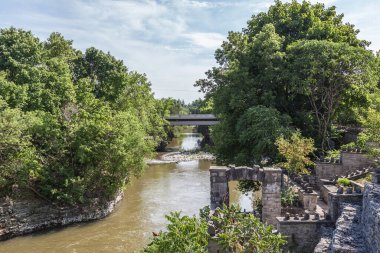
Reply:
x=172 y=41
x=206 y=40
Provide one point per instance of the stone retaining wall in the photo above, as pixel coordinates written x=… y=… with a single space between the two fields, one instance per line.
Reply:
x=336 y=201
x=301 y=235
x=349 y=162
x=327 y=170
x=352 y=161
x=370 y=218
x=348 y=236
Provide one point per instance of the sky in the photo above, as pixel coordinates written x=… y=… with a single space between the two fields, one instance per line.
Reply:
x=172 y=41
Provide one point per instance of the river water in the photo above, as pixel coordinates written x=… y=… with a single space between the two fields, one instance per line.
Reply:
x=162 y=188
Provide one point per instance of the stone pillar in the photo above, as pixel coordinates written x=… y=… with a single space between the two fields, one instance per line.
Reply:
x=219 y=191
x=309 y=200
x=271 y=195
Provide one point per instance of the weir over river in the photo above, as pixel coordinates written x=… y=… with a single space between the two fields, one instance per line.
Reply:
x=162 y=188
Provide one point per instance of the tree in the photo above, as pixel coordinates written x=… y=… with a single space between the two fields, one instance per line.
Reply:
x=80 y=124
x=370 y=137
x=295 y=151
x=17 y=154
x=334 y=76
x=273 y=63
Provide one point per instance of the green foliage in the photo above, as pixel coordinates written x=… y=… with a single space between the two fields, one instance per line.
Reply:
x=253 y=137
x=17 y=154
x=177 y=106
x=371 y=133
x=295 y=151
x=338 y=79
x=204 y=213
x=201 y=106
x=333 y=154
x=235 y=231
x=302 y=63
x=258 y=205
x=241 y=232
x=343 y=181
x=75 y=127
x=368 y=178
x=184 y=234
x=371 y=123
x=246 y=186
x=288 y=197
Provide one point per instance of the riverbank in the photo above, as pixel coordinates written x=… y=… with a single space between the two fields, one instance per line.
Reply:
x=128 y=228
x=20 y=217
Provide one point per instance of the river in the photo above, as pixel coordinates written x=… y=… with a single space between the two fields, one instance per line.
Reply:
x=162 y=188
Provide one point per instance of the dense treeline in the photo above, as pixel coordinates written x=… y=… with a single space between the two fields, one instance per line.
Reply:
x=297 y=66
x=73 y=125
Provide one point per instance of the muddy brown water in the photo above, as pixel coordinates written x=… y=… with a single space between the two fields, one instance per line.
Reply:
x=162 y=188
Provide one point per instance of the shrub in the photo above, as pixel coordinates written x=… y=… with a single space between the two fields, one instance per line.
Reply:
x=235 y=232
x=241 y=232
x=184 y=234
x=343 y=181
x=288 y=197
x=296 y=151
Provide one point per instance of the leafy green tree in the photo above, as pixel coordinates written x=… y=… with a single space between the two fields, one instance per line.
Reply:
x=372 y=125
x=200 y=106
x=252 y=140
x=81 y=123
x=17 y=154
x=275 y=62
x=370 y=137
x=334 y=76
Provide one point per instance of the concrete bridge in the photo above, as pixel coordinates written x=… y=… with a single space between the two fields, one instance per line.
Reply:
x=193 y=120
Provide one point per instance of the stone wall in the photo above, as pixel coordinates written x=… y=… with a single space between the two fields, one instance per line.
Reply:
x=371 y=217
x=347 y=236
x=27 y=216
x=352 y=161
x=349 y=162
x=312 y=180
x=336 y=201
x=326 y=189
x=302 y=235
x=328 y=170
